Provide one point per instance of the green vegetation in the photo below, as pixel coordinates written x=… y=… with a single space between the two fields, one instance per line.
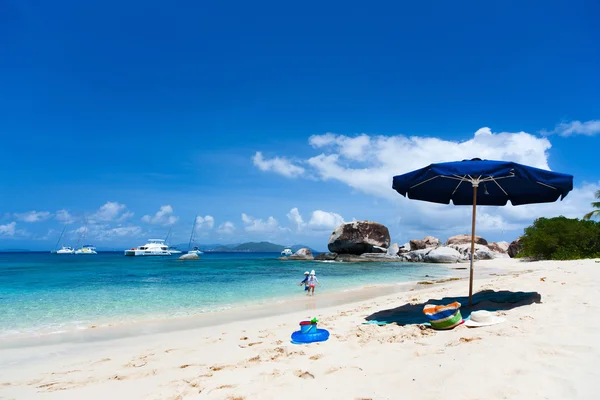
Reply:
x=596 y=205
x=561 y=238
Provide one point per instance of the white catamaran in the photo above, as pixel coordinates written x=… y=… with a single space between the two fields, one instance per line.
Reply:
x=154 y=247
x=87 y=249
x=63 y=249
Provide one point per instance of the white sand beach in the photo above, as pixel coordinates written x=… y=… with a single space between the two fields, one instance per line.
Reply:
x=543 y=350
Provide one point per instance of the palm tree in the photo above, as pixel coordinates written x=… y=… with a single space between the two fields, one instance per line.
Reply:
x=596 y=205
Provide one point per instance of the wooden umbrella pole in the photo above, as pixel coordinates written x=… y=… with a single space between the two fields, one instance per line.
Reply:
x=472 y=243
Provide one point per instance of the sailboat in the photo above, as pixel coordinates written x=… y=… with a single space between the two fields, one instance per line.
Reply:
x=86 y=248
x=172 y=249
x=195 y=250
x=63 y=250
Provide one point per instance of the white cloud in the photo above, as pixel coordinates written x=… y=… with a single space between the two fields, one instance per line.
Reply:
x=126 y=215
x=226 y=228
x=354 y=148
x=319 y=220
x=296 y=219
x=323 y=220
x=64 y=216
x=111 y=211
x=259 y=225
x=206 y=222
x=280 y=165
x=368 y=163
x=8 y=229
x=103 y=232
x=33 y=216
x=587 y=128
x=164 y=216
x=123 y=231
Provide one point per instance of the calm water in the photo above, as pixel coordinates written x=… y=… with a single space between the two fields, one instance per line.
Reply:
x=42 y=292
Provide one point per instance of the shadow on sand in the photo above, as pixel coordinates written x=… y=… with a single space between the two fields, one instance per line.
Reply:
x=489 y=300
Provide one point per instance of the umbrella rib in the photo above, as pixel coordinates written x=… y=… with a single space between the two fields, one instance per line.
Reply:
x=501 y=188
x=425 y=181
x=543 y=184
x=456 y=188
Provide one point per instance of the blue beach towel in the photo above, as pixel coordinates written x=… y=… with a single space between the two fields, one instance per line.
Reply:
x=412 y=314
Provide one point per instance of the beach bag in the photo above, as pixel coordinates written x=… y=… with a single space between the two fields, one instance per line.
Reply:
x=443 y=317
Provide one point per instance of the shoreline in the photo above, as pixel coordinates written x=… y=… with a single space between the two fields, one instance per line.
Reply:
x=130 y=325
x=243 y=311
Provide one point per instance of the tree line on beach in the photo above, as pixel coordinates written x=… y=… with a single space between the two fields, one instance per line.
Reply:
x=562 y=238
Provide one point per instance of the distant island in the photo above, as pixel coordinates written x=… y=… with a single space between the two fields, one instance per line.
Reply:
x=249 y=247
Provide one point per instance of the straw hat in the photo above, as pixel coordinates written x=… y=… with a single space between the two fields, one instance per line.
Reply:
x=483 y=318
x=306 y=273
x=312 y=272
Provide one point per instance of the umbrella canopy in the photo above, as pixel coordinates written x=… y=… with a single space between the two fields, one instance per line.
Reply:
x=498 y=181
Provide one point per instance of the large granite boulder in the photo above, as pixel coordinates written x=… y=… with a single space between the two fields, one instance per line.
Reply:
x=463 y=239
x=302 y=254
x=405 y=248
x=498 y=247
x=442 y=255
x=415 y=255
x=515 y=248
x=326 y=256
x=484 y=253
x=379 y=257
x=393 y=250
x=426 y=243
x=359 y=237
x=190 y=256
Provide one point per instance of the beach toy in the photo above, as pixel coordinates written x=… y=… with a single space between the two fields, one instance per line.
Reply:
x=309 y=333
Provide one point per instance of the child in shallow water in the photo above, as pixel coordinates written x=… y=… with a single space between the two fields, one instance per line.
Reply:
x=312 y=282
x=305 y=282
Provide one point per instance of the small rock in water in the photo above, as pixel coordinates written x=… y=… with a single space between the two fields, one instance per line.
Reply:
x=192 y=256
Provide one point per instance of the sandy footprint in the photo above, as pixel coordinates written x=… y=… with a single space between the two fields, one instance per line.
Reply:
x=102 y=361
x=462 y=340
x=333 y=370
x=216 y=368
x=304 y=374
x=184 y=366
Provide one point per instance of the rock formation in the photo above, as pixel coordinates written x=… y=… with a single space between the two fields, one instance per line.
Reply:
x=302 y=254
x=444 y=255
x=191 y=256
x=498 y=247
x=515 y=248
x=462 y=239
x=326 y=256
x=359 y=237
x=393 y=250
x=426 y=243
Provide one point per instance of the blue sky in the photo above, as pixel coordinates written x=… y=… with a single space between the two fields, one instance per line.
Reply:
x=116 y=109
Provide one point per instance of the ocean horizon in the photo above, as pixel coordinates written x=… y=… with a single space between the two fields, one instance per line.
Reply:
x=43 y=293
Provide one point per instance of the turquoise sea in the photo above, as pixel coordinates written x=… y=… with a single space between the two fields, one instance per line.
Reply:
x=47 y=293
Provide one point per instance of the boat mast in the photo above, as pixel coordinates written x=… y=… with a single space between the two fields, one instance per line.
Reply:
x=61 y=235
x=82 y=233
x=167 y=238
x=192 y=234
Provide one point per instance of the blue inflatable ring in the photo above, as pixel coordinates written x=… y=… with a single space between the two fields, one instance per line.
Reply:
x=320 y=335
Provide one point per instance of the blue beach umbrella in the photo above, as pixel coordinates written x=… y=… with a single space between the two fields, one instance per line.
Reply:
x=499 y=182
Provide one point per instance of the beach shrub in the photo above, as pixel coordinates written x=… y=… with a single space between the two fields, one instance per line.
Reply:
x=561 y=238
